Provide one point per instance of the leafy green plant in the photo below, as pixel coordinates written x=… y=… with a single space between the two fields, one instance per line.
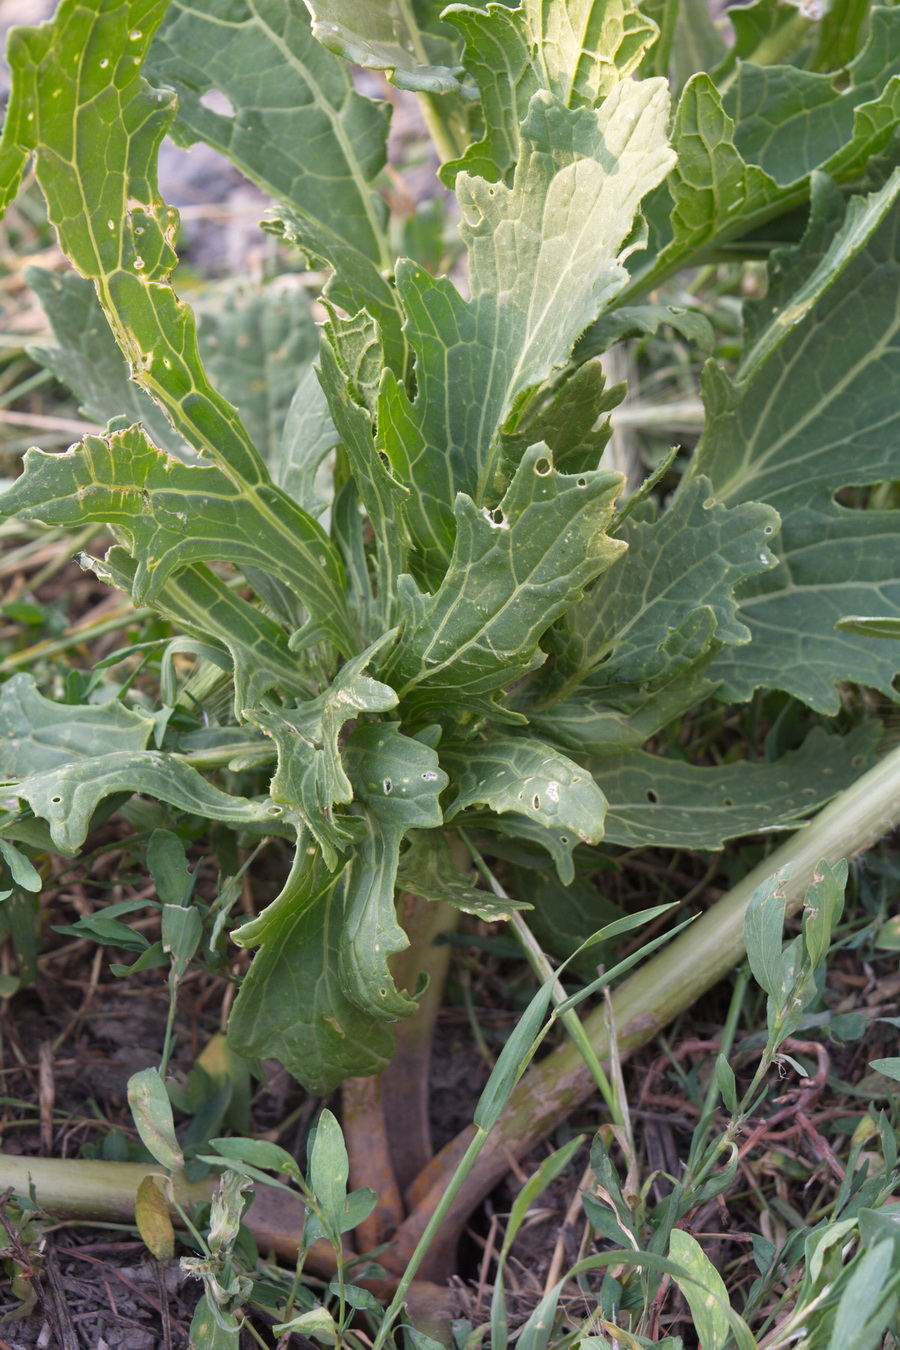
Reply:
x=472 y=630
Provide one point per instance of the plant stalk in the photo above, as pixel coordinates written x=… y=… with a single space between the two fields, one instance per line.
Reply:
x=406 y=1079
x=667 y=984
x=365 y=1133
x=105 y=1191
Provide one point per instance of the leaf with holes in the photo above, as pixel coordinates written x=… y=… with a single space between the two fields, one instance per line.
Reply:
x=546 y=255
x=514 y=570
x=827 y=333
x=291 y=1003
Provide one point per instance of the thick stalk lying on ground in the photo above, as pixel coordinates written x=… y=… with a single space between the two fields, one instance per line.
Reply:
x=71 y=1188
x=665 y=986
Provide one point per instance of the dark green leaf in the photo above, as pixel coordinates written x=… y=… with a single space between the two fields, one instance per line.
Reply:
x=790 y=121
x=514 y=570
x=530 y=778
x=37 y=734
x=611 y=722
x=569 y=418
x=824 y=371
x=822 y=909
x=21 y=868
x=182 y=932
x=645 y=621
x=291 y=1004
x=763 y=933
x=671 y=804
x=839 y=32
x=310 y=778
x=293 y=123
x=67 y=796
x=399 y=781
x=564 y=917
x=259 y=1152
x=329 y=1169
x=168 y=866
x=698 y=43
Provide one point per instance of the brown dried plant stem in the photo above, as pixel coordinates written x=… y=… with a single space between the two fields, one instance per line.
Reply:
x=406 y=1078
x=388 y=1147
x=366 y=1137
x=666 y=985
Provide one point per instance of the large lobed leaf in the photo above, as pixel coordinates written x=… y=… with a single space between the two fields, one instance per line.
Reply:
x=94 y=124
x=749 y=157
x=576 y=50
x=289 y=118
x=629 y=629
x=319 y=993
x=68 y=795
x=291 y=1004
x=524 y=775
x=171 y=515
x=38 y=734
x=399 y=782
x=545 y=257
x=668 y=803
x=64 y=761
x=514 y=570
x=815 y=409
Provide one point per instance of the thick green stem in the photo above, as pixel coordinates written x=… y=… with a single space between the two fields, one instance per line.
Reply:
x=449 y=138
x=106 y=1191
x=664 y=987
x=78 y=1189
